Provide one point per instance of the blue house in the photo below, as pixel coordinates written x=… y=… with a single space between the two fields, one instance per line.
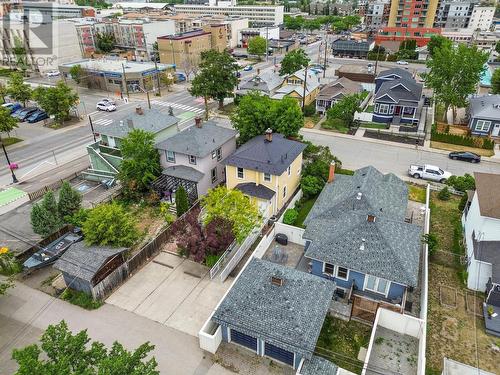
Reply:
x=277 y=312
x=484 y=115
x=398 y=98
x=357 y=236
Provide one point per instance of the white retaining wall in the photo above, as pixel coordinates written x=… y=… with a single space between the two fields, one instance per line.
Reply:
x=294 y=234
x=210 y=341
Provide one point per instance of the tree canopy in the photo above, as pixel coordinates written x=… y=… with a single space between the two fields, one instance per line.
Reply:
x=454 y=73
x=105 y=42
x=438 y=42
x=141 y=162
x=69 y=200
x=76 y=73
x=344 y=109
x=294 y=61
x=57 y=101
x=495 y=82
x=257 y=46
x=61 y=352
x=45 y=218
x=233 y=206
x=216 y=78
x=17 y=89
x=256 y=113
x=7 y=122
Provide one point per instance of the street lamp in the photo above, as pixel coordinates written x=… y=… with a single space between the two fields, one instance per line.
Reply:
x=14 y=178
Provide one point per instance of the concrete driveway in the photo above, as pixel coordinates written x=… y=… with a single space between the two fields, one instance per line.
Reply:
x=173 y=291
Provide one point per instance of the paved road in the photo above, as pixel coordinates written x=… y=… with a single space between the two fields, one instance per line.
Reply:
x=357 y=153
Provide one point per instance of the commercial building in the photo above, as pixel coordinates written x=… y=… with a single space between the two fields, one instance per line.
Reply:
x=257 y=15
x=143 y=7
x=55 y=11
x=184 y=50
x=352 y=48
x=245 y=35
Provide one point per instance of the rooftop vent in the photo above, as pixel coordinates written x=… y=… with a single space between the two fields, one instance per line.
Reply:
x=362 y=246
x=359 y=195
x=371 y=218
x=278 y=281
x=269 y=135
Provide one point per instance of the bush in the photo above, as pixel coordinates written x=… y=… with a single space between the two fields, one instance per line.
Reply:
x=311 y=185
x=290 y=216
x=211 y=259
x=463 y=202
x=309 y=110
x=69 y=200
x=444 y=194
x=78 y=217
x=462 y=140
x=431 y=241
x=462 y=183
x=181 y=201
x=81 y=299
x=344 y=171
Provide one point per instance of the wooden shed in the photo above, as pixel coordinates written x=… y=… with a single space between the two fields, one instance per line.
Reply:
x=95 y=270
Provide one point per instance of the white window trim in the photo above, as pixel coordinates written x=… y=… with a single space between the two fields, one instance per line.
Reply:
x=375 y=109
x=264 y=177
x=169 y=160
x=285 y=192
x=216 y=177
x=289 y=170
x=337 y=273
x=377 y=279
x=326 y=273
x=243 y=174
x=483 y=123
x=386 y=107
x=193 y=162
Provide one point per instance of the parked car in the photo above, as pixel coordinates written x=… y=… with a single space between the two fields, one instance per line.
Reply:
x=428 y=172
x=36 y=116
x=53 y=251
x=12 y=107
x=179 y=77
x=53 y=73
x=22 y=114
x=465 y=156
x=248 y=68
x=402 y=62
x=105 y=106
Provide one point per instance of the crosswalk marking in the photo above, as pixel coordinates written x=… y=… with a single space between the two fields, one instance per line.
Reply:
x=178 y=106
x=103 y=121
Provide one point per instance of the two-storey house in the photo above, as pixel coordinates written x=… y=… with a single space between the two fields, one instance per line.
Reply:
x=356 y=235
x=266 y=83
x=335 y=91
x=105 y=155
x=193 y=159
x=293 y=86
x=266 y=168
x=484 y=115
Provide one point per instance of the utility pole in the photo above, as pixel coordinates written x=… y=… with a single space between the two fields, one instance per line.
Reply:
x=267 y=43
x=149 y=103
x=304 y=92
x=326 y=49
x=125 y=81
x=14 y=178
x=92 y=128
x=157 y=78
x=376 y=61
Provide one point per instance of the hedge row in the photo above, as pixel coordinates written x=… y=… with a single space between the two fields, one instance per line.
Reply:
x=462 y=140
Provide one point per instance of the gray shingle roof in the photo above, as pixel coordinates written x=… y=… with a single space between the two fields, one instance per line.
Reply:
x=487 y=107
x=270 y=157
x=259 y=191
x=196 y=141
x=311 y=84
x=402 y=73
x=318 y=366
x=396 y=91
x=382 y=195
x=266 y=82
x=152 y=121
x=84 y=261
x=289 y=316
x=184 y=172
x=341 y=86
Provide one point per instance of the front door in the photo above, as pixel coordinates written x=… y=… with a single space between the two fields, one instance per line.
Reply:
x=397 y=110
x=496 y=130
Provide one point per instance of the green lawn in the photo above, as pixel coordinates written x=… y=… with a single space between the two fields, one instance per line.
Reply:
x=336 y=125
x=416 y=193
x=10 y=141
x=340 y=341
x=373 y=125
x=305 y=207
x=369 y=109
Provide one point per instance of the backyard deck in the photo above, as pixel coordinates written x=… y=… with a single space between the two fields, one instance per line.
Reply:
x=287 y=255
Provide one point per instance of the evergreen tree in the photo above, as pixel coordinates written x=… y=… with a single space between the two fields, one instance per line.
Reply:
x=181 y=201
x=45 y=218
x=69 y=200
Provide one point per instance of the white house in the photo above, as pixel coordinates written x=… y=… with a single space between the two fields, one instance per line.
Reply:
x=481 y=225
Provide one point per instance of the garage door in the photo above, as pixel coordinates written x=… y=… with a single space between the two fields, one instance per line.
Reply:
x=281 y=355
x=245 y=340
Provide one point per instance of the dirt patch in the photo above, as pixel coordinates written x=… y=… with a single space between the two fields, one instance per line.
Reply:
x=448 y=296
x=453 y=129
x=394 y=138
x=451 y=147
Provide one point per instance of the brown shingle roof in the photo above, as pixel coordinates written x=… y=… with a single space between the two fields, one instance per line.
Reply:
x=342 y=85
x=488 y=194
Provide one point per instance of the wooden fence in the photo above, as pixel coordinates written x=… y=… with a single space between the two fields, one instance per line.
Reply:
x=54 y=186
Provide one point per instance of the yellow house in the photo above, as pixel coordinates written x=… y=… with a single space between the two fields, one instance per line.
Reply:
x=293 y=86
x=267 y=169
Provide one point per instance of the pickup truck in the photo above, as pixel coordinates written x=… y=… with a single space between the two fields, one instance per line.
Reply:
x=428 y=172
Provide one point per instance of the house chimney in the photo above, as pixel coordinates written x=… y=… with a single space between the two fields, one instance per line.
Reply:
x=130 y=124
x=198 y=122
x=275 y=280
x=331 y=173
x=371 y=218
x=269 y=135
x=139 y=110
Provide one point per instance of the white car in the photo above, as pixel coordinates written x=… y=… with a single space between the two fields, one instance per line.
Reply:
x=105 y=106
x=108 y=100
x=402 y=62
x=53 y=73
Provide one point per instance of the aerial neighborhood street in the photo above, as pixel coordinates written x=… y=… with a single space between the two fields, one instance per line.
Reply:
x=202 y=187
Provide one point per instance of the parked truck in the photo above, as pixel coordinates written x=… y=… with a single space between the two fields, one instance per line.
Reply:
x=428 y=172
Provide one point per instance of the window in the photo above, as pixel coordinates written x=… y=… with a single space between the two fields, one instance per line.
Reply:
x=240 y=173
x=328 y=268
x=214 y=174
x=383 y=109
x=267 y=177
x=375 y=109
x=289 y=170
x=192 y=159
x=376 y=284
x=482 y=125
x=342 y=273
x=217 y=154
x=170 y=156
x=284 y=191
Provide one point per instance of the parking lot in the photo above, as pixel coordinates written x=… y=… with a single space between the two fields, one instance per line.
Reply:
x=173 y=291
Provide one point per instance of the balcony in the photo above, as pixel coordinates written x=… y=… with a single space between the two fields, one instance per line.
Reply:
x=104 y=148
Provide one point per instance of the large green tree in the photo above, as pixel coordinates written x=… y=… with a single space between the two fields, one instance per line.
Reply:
x=438 y=42
x=294 y=61
x=7 y=122
x=495 y=82
x=293 y=23
x=454 y=73
x=216 y=78
x=141 y=162
x=61 y=352
x=110 y=225
x=17 y=89
x=344 y=109
x=76 y=72
x=105 y=42
x=233 y=206
x=69 y=200
x=257 y=46
x=256 y=113
x=57 y=101
x=45 y=218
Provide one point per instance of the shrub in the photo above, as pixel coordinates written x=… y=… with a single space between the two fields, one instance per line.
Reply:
x=431 y=241
x=181 y=201
x=81 y=299
x=290 y=216
x=309 y=110
x=461 y=140
x=311 y=185
x=45 y=218
x=211 y=259
x=463 y=202
x=78 y=218
x=69 y=200
x=444 y=194
x=462 y=183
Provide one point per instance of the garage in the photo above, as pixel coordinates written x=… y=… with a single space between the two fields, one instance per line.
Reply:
x=279 y=354
x=244 y=340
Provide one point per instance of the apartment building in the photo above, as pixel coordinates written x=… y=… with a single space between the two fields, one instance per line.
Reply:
x=454 y=14
x=53 y=10
x=257 y=15
x=377 y=14
x=481 y=18
x=245 y=35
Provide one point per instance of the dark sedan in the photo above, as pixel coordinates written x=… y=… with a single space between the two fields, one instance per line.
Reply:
x=465 y=156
